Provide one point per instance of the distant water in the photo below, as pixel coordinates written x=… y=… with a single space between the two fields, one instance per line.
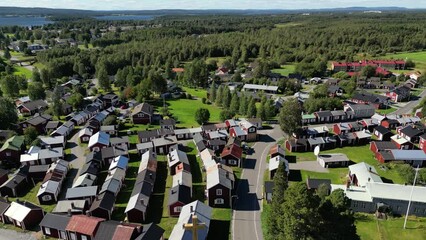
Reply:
x=125 y=17
x=24 y=21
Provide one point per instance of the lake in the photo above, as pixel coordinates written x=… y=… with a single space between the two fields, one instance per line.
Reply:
x=24 y=21
x=125 y=17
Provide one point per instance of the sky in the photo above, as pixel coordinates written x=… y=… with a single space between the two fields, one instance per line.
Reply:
x=209 y=4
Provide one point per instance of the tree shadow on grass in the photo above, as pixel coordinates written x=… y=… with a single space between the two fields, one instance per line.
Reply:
x=295 y=176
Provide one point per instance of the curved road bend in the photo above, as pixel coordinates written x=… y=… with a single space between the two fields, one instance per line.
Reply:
x=246 y=223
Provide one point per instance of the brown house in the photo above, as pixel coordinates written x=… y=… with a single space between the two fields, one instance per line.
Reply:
x=231 y=155
x=179 y=196
x=24 y=215
x=32 y=107
x=220 y=182
x=142 y=113
x=39 y=122
x=4 y=205
x=54 y=225
x=12 y=149
x=82 y=227
x=103 y=205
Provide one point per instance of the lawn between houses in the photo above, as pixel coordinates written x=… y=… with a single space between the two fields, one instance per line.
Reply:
x=356 y=154
x=158 y=204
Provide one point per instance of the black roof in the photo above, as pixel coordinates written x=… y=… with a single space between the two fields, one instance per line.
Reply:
x=197 y=138
x=382 y=129
x=37 y=119
x=323 y=114
x=387 y=155
x=313 y=183
x=147 y=176
x=169 y=121
x=33 y=105
x=55 y=221
x=108 y=152
x=151 y=232
x=4 y=205
x=411 y=131
x=3 y=172
x=94 y=156
x=217 y=142
x=106 y=230
x=180 y=193
x=371 y=98
x=201 y=146
x=269 y=186
x=148 y=134
x=90 y=167
x=104 y=201
x=14 y=181
x=385 y=145
x=53 y=124
x=39 y=168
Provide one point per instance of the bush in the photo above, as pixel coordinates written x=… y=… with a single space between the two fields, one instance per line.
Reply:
x=204 y=100
x=188 y=96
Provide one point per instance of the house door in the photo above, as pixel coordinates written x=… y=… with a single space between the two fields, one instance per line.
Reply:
x=161 y=150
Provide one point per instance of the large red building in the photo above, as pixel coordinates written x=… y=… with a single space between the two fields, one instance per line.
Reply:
x=383 y=66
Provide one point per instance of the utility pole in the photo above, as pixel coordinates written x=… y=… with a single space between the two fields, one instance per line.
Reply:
x=411 y=197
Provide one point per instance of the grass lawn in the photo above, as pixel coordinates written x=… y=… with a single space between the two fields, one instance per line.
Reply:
x=184 y=110
x=369 y=228
x=418 y=57
x=356 y=154
x=285 y=69
x=22 y=71
x=386 y=111
x=219 y=60
x=126 y=191
x=196 y=92
x=31 y=196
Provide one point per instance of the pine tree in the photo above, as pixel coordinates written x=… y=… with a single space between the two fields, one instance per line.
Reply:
x=290 y=117
x=243 y=105
x=276 y=211
x=235 y=103
x=261 y=112
x=226 y=98
x=103 y=79
x=251 y=110
x=212 y=93
x=219 y=94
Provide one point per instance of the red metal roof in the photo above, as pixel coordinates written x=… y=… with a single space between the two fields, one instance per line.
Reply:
x=233 y=150
x=84 y=224
x=123 y=232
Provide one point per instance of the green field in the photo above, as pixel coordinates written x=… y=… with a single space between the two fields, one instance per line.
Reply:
x=369 y=228
x=198 y=93
x=285 y=70
x=418 y=57
x=23 y=71
x=355 y=154
x=386 y=111
x=184 y=110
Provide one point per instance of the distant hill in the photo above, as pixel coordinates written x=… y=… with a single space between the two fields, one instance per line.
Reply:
x=51 y=11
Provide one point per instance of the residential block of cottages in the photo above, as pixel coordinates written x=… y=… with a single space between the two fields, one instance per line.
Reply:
x=381 y=65
x=369 y=194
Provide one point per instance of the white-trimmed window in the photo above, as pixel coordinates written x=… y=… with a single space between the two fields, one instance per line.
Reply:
x=46 y=198
x=73 y=236
x=232 y=162
x=8 y=154
x=219 y=201
x=252 y=130
x=18 y=223
x=219 y=192
x=83 y=237
x=47 y=230
x=178 y=209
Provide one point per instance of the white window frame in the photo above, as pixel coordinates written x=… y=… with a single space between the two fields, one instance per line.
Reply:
x=83 y=237
x=219 y=201
x=47 y=230
x=73 y=236
x=46 y=198
x=177 y=209
x=219 y=192
x=233 y=162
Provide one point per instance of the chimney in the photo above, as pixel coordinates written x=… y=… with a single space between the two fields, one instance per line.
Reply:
x=369 y=179
x=142 y=202
x=72 y=205
x=69 y=212
x=191 y=209
x=369 y=169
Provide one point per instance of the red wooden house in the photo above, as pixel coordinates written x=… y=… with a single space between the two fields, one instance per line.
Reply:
x=82 y=227
x=142 y=113
x=422 y=142
x=231 y=155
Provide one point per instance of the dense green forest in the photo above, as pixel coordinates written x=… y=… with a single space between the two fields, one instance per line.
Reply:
x=137 y=52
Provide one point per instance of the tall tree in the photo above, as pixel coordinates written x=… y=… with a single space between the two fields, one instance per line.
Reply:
x=212 y=92
x=103 y=78
x=9 y=86
x=251 y=109
x=6 y=54
x=276 y=210
x=226 y=98
x=243 y=105
x=36 y=91
x=57 y=103
x=202 y=115
x=300 y=216
x=290 y=116
x=219 y=95
x=235 y=104
x=36 y=77
x=8 y=114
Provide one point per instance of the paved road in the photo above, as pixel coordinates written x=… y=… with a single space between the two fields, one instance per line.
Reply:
x=77 y=153
x=246 y=223
x=6 y=234
x=408 y=108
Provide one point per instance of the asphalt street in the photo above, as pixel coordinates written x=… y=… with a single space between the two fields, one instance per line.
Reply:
x=246 y=223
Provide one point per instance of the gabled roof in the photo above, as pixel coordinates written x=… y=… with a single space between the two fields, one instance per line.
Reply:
x=112 y=185
x=106 y=230
x=19 y=211
x=119 y=162
x=103 y=201
x=275 y=162
x=86 y=179
x=232 y=150
x=202 y=211
x=55 y=221
x=144 y=108
x=398 y=139
x=176 y=156
x=48 y=187
x=323 y=114
x=364 y=173
x=182 y=178
x=4 y=205
x=76 y=206
x=313 y=183
x=150 y=231
x=34 y=105
x=411 y=131
x=52 y=140
x=219 y=174
x=81 y=192
x=124 y=232
x=385 y=145
x=99 y=137
x=148 y=161
x=382 y=129
x=239 y=131
x=409 y=155
x=39 y=119
x=14 y=143
x=167 y=122
x=84 y=224
x=85 y=131
x=180 y=193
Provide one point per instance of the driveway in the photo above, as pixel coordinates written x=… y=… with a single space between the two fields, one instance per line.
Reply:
x=312 y=166
x=246 y=223
x=7 y=234
x=77 y=157
x=408 y=108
